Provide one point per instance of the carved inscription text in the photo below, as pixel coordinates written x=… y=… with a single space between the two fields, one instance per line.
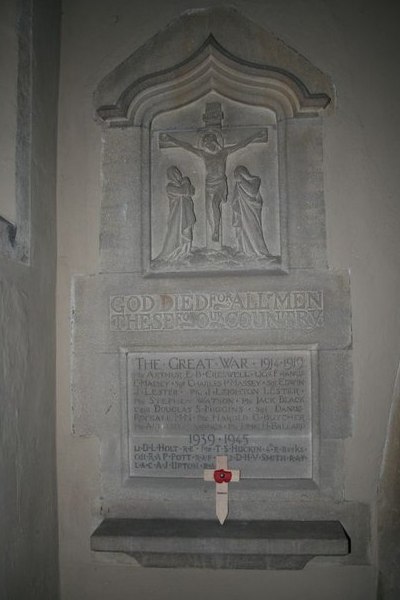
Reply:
x=299 y=309
x=187 y=407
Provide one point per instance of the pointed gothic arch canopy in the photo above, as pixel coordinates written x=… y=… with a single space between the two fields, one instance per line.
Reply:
x=209 y=50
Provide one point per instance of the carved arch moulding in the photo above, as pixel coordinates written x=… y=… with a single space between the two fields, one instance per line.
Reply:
x=205 y=128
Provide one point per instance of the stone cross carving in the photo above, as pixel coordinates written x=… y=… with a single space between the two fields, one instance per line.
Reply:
x=213 y=151
x=222 y=477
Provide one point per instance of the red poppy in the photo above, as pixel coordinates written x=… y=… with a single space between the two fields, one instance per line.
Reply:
x=222 y=476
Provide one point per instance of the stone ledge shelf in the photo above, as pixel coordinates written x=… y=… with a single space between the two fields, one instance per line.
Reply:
x=235 y=545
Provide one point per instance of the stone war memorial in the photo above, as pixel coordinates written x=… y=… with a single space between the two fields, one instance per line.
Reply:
x=214 y=332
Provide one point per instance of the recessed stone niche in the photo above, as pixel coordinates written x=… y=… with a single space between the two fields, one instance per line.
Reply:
x=214 y=326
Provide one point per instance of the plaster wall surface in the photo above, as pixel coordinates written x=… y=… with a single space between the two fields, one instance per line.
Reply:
x=357 y=45
x=28 y=506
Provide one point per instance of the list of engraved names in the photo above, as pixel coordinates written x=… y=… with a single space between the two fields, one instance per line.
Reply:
x=187 y=407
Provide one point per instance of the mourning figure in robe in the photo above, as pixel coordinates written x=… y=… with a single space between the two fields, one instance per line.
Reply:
x=181 y=218
x=246 y=207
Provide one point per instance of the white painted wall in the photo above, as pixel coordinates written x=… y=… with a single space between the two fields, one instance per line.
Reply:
x=357 y=44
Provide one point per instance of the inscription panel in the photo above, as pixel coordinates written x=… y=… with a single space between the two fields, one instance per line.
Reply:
x=256 y=407
x=126 y=310
x=298 y=309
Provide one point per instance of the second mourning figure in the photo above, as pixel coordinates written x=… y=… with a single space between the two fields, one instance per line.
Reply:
x=179 y=236
x=246 y=206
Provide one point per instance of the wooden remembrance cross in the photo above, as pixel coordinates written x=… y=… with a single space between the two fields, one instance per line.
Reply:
x=222 y=477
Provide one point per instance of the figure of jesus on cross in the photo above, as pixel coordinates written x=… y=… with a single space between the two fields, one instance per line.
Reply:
x=213 y=151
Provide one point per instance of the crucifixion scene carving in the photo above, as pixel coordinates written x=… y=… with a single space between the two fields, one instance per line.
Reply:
x=224 y=207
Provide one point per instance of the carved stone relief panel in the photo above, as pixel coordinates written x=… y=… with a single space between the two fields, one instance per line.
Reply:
x=215 y=198
x=213 y=154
